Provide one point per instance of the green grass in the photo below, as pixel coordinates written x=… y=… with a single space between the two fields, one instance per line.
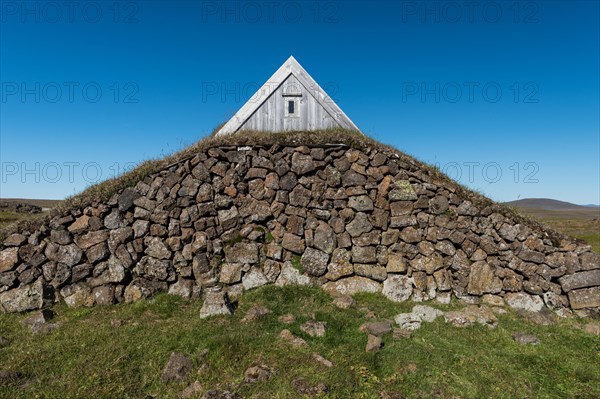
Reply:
x=87 y=357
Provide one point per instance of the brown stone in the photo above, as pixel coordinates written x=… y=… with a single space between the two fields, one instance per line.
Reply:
x=585 y=298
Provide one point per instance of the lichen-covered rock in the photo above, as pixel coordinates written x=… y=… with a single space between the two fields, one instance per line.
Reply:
x=291 y=276
x=8 y=259
x=398 y=288
x=520 y=300
x=351 y=286
x=585 y=298
x=28 y=297
x=583 y=279
x=177 y=368
x=314 y=262
x=216 y=303
x=482 y=280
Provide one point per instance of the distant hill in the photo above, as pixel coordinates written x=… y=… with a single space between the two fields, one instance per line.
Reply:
x=42 y=203
x=547 y=204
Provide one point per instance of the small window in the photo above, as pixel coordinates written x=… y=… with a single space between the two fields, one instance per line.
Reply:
x=291 y=106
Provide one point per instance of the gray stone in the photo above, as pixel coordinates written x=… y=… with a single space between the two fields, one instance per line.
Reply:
x=525 y=339
x=314 y=328
x=427 y=313
x=396 y=263
x=115 y=272
x=253 y=279
x=351 y=178
x=104 y=295
x=344 y=302
x=583 y=279
x=322 y=361
x=472 y=314
x=114 y=220
x=27 y=297
x=68 y=254
x=373 y=272
x=374 y=343
x=153 y=268
x=15 y=240
x=92 y=238
x=216 y=303
x=156 y=248
x=140 y=228
x=293 y=340
x=255 y=312
x=398 y=288
x=482 y=280
x=97 y=253
x=408 y=321
x=324 y=238
x=428 y=264
x=258 y=373
x=361 y=203
x=314 y=262
x=401 y=208
x=520 y=300
x=293 y=243
x=351 y=285
x=61 y=237
x=340 y=265
x=291 y=276
x=299 y=196
x=508 y=232
x=141 y=288
x=364 y=254
x=359 y=225
x=177 y=368
x=182 y=288
x=438 y=205
x=231 y=273
x=39 y=317
x=242 y=252
x=77 y=295
x=590 y=261
x=192 y=391
x=126 y=199
x=377 y=328
x=9 y=259
x=585 y=298
x=402 y=190
x=410 y=235
x=228 y=218
x=302 y=164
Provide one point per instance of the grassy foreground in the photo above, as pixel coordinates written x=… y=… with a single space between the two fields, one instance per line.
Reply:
x=89 y=357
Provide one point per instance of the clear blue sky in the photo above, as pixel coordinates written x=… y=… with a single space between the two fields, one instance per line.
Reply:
x=505 y=91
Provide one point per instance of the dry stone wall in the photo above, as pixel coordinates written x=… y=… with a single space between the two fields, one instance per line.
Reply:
x=232 y=219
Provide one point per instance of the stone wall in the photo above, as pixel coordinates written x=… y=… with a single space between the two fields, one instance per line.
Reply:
x=231 y=219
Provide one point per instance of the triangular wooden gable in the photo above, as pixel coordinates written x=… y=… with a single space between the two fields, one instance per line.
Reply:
x=291 y=100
